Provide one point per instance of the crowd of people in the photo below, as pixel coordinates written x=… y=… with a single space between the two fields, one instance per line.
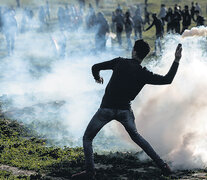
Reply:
x=71 y=17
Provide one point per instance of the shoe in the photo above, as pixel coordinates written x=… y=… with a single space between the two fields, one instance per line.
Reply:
x=84 y=176
x=166 y=170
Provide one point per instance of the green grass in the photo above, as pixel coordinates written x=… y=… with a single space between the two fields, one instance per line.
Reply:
x=19 y=148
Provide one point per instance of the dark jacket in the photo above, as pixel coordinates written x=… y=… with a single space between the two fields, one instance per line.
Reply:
x=200 y=21
x=176 y=18
x=127 y=80
x=186 y=18
x=128 y=23
x=158 y=25
x=169 y=17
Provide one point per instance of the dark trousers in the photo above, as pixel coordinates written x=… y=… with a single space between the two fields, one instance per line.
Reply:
x=126 y=118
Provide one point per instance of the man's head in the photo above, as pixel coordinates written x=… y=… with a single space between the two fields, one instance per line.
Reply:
x=140 y=50
x=154 y=15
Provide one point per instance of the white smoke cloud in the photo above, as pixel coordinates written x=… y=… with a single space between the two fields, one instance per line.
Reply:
x=195 y=31
x=172 y=117
x=59 y=96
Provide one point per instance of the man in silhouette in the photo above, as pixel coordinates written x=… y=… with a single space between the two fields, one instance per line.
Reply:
x=199 y=19
x=127 y=80
x=159 y=32
x=186 y=19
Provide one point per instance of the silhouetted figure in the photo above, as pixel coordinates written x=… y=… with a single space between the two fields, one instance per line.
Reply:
x=97 y=3
x=9 y=28
x=119 y=19
x=18 y=3
x=113 y=22
x=90 y=17
x=119 y=9
x=198 y=8
x=128 y=23
x=169 y=19
x=176 y=20
x=102 y=29
x=82 y=4
x=199 y=19
x=138 y=26
x=127 y=80
x=47 y=11
x=192 y=11
x=159 y=32
x=162 y=13
x=146 y=3
x=138 y=11
x=186 y=19
x=146 y=16
x=61 y=18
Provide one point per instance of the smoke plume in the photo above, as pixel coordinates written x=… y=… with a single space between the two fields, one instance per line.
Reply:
x=58 y=96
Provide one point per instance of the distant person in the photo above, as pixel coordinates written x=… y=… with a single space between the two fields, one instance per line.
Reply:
x=198 y=8
x=138 y=11
x=119 y=20
x=9 y=28
x=169 y=19
x=138 y=26
x=199 y=19
x=97 y=3
x=18 y=3
x=61 y=18
x=47 y=11
x=146 y=16
x=119 y=8
x=146 y=3
x=102 y=29
x=82 y=4
x=128 y=23
x=163 y=13
x=113 y=22
x=127 y=80
x=176 y=20
x=180 y=9
x=159 y=32
x=186 y=17
x=90 y=17
x=192 y=11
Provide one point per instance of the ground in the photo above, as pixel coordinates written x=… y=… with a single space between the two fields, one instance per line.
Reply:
x=24 y=155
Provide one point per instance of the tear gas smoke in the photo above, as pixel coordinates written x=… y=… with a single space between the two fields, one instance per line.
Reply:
x=195 y=31
x=58 y=97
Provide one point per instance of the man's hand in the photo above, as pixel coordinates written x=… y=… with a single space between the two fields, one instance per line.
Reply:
x=100 y=80
x=178 y=53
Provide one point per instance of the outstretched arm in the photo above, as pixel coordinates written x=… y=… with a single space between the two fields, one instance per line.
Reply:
x=96 y=68
x=168 y=78
x=150 y=26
